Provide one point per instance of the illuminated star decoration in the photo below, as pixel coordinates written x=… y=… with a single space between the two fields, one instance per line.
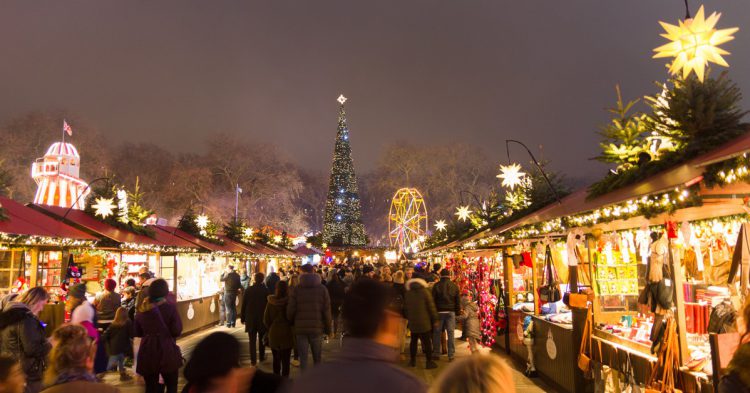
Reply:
x=440 y=225
x=341 y=99
x=104 y=207
x=247 y=233
x=511 y=175
x=463 y=212
x=694 y=43
x=202 y=222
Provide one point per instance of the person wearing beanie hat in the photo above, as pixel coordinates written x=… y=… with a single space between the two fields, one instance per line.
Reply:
x=158 y=324
x=81 y=311
x=107 y=301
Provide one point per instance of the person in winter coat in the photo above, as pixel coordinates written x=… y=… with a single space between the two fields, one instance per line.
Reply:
x=232 y=287
x=470 y=317
x=448 y=302
x=309 y=310
x=128 y=301
x=271 y=280
x=71 y=362
x=107 y=301
x=117 y=340
x=478 y=373
x=420 y=311
x=737 y=377
x=159 y=325
x=369 y=355
x=280 y=335
x=253 y=306
x=12 y=378
x=337 y=291
x=244 y=279
x=214 y=367
x=22 y=335
x=398 y=292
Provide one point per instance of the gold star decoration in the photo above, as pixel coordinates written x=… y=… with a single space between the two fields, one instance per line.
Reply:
x=694 y=43
x=202 y=222
x=341 y=99
x=247 y=233
x=104 y=207
x=511 y=175
x=440 y=225
x=463 y=212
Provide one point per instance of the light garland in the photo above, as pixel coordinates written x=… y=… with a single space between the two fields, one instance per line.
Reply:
x=29 y=240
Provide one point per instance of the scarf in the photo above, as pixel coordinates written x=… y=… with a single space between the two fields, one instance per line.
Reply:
x=72 y=375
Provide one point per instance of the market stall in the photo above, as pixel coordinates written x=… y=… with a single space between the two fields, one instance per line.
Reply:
x=32 y=246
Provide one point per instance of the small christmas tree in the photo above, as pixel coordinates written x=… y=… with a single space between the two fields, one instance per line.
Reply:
x=342 y=225
x=623 y=138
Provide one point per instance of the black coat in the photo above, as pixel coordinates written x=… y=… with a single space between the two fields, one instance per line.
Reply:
x=309 y=308
x=253 y=306
x=117 y=339
x=232 y=282
x=447 y=296
x=22 y=337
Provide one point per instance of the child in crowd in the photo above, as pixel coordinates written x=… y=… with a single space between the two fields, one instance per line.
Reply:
x=118 y=339
x=470 y=318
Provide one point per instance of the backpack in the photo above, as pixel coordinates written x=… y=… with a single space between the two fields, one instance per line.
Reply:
x=723 y=318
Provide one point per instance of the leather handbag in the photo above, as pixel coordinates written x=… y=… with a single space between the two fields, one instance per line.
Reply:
x=584 y=353
x=550 y=291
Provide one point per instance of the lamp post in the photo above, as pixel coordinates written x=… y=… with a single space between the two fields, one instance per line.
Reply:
x=546 y=179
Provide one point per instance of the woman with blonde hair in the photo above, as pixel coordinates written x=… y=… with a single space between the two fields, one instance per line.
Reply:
x=22 y=335
x=479 y=373
x=71 y=367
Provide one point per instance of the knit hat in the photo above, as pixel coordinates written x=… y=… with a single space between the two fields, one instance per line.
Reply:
x=78 y=291
x=445 y=273
x=158 y=289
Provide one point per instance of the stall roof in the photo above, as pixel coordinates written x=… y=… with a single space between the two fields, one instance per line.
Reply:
x=23 y=220
x=84 y=221
x=230 y=247
x=577 y=202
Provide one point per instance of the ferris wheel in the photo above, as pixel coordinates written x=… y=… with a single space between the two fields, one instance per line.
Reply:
x=407 y=220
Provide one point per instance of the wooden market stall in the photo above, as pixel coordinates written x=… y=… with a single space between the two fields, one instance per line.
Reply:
x=32 y=249
x=691 y=229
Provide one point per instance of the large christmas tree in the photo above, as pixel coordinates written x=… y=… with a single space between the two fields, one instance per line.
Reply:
x=342 y=225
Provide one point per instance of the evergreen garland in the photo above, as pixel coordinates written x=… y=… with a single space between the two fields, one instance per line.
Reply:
x=697 y=116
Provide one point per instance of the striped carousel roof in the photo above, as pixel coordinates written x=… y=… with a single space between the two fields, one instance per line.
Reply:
x=62 y=149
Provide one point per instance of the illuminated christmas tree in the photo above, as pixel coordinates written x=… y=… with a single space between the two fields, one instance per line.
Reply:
x=342 y=224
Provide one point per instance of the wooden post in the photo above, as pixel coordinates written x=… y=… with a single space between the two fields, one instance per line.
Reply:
x=679 y=302
x=534 y=284
x=34 y=267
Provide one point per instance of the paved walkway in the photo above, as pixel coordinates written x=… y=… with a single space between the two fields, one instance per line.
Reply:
x=523 y=384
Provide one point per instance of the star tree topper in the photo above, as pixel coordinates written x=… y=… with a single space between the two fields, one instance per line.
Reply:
x=341 y=99
x=511 y=175
x=694 y=43
x=463 y=212
x=104 y=207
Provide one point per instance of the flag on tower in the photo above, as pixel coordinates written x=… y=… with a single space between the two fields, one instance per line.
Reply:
x=66 y=128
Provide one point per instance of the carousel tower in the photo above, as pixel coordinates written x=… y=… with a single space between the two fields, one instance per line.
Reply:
x=57 y=177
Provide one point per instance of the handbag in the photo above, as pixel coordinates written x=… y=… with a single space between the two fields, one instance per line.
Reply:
x=550 y=292
x=584 y=357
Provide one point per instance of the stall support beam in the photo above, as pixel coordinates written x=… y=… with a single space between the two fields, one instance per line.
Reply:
x=679 y=301
x=34 y=252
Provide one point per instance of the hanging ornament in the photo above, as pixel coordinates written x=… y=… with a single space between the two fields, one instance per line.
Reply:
x=104 y=207
x=511 y=175
x=694 y=43
x=463 y=212
x=440 y=225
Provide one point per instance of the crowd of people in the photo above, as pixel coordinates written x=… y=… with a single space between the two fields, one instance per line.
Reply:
x=290 y=312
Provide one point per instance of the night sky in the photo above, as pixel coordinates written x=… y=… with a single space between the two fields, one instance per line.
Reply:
x=426 y=71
